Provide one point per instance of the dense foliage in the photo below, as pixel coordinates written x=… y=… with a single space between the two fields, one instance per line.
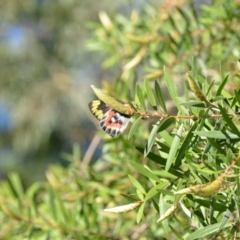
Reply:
x=175 y=172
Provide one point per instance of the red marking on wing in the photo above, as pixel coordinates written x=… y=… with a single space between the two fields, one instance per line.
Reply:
x=108 y=119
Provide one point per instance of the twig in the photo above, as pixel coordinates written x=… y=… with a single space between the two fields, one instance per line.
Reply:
x=160 y=115
x=90 y=151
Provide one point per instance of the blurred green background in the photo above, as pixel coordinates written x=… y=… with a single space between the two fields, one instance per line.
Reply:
x=45 y=77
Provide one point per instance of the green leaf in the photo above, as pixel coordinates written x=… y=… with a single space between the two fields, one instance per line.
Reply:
x=229 y=121
x=160 y=160
x=151 y=139
x=221 y=86
x=164 y=174
x=16 y=184
x=153 y=191
x=237 y=96
x=167 y=137
x=207 y=204
x=217 y=134
x=194 y=104
x=171 y=85
x=137 y=184
x=203 y=232
x=163 y=208
x=172 y=21
x=52 y=203
x=150 y=95
x=134 y=127
x=160 y=96
x=174 y=148
x=175 y=231
x=140 y=97
x=184 y=15
x=154 y=157
x=131 y=198
x=63 y=213
x=185 y=145
x=140 y=212
x=144 y=171
x=33 y=189
x=173 y=42
x=194 y=68
x=165 y=123
x=225 y=219
x=215 y=143
x=113 y=103
x=210 y=87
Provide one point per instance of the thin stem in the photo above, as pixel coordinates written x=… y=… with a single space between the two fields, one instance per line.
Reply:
x=90 y=151
x=160 y=115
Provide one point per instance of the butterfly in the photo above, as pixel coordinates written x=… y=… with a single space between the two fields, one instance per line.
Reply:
x=111 y=121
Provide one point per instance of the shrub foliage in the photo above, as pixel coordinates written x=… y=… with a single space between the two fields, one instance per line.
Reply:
x=174 y=175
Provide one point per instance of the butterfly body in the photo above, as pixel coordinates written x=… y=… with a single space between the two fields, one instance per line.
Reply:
x=111 y=121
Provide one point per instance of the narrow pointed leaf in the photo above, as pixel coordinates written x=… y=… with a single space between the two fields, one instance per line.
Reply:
x=174 y=148
x=150 y=95
x=155 y=190
x=144 y=171
x=137 y=184
x=237 y=96
x=16 y=185
x=141 y=98
x=215 y=143
x=171 y=87
x=140 y=212
x=160 y=96
x=165 y=123
x=134 y=127
x=203 y=232
x=163 y=206
x=154 y=157
x=184 y=15
x=113 y=103
x=229 y=121
x=217 y=134
x=167 y=138
x=185 y=145
x=223 y=83
x=194 y=104
x=151 y=139
x=224 y=221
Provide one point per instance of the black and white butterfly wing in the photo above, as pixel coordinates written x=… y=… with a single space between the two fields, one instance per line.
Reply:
x=111 y=121
x=114 y=123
